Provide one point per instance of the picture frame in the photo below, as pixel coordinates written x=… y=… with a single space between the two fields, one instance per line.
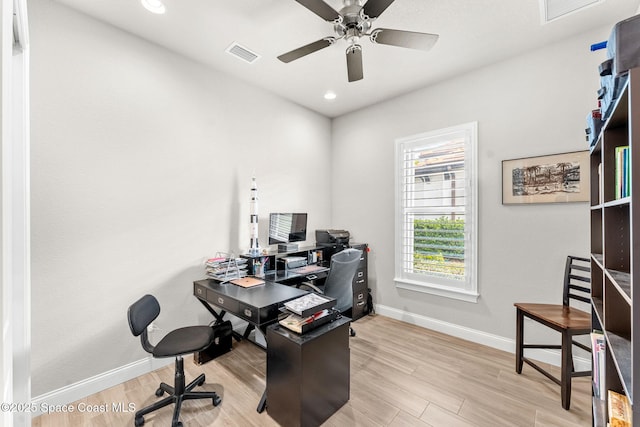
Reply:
x=554 y=178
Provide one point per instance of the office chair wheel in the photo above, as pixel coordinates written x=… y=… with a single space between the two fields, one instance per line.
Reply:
x=201 y=381
x=217 y=400
x=176 y=424
x=139 y=421
x=159 y=392
x=352 y=333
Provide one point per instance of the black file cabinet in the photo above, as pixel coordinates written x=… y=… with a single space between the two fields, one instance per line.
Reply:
x=360 y=281
x=360 y=284
x=308 y=374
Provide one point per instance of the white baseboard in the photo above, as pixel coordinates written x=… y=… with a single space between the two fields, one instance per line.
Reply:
x=480 y=337
x=95 y=384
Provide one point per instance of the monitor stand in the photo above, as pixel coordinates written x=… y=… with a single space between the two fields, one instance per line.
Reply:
x=287 y=247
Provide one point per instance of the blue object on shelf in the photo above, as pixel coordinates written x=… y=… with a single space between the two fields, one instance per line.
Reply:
x=598 y=46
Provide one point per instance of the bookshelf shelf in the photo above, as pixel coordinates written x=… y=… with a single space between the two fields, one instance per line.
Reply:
x=615 y=267
x=622 y=281
x=618 y=202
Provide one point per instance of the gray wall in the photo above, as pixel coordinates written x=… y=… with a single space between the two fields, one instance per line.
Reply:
x=141 y=168
x=534 y=104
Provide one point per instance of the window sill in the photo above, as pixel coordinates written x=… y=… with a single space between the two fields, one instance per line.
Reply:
x=442 y=291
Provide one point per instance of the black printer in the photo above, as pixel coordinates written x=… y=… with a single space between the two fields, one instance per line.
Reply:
x=324 y=237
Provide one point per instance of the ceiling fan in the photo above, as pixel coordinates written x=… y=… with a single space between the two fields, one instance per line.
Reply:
x=353 y=22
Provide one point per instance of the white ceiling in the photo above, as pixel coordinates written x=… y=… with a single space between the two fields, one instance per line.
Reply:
x=472 y=33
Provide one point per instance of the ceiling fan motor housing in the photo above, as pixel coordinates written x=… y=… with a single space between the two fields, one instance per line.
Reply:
x=353 y=23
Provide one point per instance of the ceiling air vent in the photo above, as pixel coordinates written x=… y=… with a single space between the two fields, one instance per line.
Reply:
x=242 y=53
x=554 y=9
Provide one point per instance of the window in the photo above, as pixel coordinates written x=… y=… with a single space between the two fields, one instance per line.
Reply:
x=436 y=214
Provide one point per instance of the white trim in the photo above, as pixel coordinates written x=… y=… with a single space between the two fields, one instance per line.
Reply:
x=434 y=289
x=476 y=336
x=98 y=383
x=15 y=217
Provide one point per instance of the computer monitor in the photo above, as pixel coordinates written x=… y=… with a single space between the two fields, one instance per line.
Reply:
x=287 y=227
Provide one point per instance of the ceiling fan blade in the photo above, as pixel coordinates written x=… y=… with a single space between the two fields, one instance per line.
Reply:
x=374 y=8
x=306 y=50
x=354 y=63
x=408 y=39
x=321 y=9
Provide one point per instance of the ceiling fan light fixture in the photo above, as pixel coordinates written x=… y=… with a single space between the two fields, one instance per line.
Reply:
x=154 y=6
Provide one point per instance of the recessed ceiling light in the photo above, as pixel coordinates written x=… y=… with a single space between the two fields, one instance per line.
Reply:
x=330 y=95
x=154 y=6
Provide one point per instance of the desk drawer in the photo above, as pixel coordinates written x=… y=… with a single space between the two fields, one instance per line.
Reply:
x=222 y=301
x=248 y=313
x=200 y=291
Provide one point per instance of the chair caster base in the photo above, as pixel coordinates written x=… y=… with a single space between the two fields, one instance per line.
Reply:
x=217 y=400
x=139 y=421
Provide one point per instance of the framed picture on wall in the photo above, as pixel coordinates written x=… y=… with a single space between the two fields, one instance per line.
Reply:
x=556 y=178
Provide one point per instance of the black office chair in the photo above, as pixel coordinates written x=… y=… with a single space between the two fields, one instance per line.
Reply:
x=339 y=281
x=175 y=344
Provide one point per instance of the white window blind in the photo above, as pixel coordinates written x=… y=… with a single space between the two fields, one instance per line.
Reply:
x=436 y=212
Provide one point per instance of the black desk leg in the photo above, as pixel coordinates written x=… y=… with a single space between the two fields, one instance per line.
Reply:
x=263 y=402
x=219 y=317
x=214 y=313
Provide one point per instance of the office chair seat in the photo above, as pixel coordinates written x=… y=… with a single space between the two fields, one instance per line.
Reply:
x=184 y=341
x=175 y=344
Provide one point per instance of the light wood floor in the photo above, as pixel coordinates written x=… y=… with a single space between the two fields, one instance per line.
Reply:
x=401 y=375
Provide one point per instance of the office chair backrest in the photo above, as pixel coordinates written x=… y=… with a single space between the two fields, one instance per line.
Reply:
x=339 y=282
x=577 y=280
x=140 y=314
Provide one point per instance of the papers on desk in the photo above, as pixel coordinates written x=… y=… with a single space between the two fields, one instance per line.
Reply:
x=226 y=268
x=308 y=312
x=309 y=304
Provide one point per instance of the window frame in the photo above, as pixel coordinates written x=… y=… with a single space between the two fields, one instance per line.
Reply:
x=466 y=290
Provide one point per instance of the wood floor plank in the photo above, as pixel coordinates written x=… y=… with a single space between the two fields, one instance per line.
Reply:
x=401 y=375
x=404 y=419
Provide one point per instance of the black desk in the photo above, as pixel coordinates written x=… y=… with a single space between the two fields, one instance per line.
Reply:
x=258 y=305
